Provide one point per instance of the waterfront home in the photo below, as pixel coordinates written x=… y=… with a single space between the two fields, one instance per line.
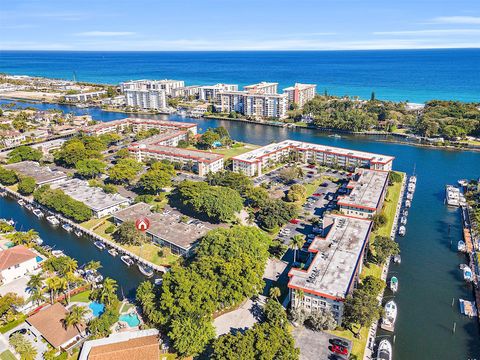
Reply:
x=368 y=190
x=97 y=200
x=253 y=162
x=49 y=323
x=42 y=174
x=131 y=345
x=334 y=266
x=167 y=228
x=16 y=262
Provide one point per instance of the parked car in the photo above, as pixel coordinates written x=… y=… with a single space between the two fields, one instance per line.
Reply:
x=339 y=342
x=339 y=350
x=294 y=221
x=19 y=331
x=325 y=184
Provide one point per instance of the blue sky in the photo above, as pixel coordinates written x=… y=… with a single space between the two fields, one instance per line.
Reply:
x=238 y=25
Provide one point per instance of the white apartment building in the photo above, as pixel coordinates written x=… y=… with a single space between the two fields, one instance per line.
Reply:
x=262 y=88
x=300 y=93
x=186 y=92
x=138 y=124
x=211 y=93
x=253 y=162
x=83 y=97
x=334 y=266
x=146 y=99
x=232 y=101
x=166 y=85
x=265 y=105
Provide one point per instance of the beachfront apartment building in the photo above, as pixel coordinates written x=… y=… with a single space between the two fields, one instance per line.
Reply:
x=211 y=92
x=146 y=99
x=299 y=94
x=368 y=189
x=254 y=162
x=139 y=124
x=163 y=147
x=262 y=88
x=333 y=267
x=168 y=86
x=84 y=97
x=186 y=91
x=257 y=105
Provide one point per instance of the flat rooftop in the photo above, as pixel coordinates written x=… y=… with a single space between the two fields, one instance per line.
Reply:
x=131 y=120
x=167 y=225
x=41 y=174
x=257 y=154
x=332 y=269
x=300 y=86
x=94 y=197
x=366 y=190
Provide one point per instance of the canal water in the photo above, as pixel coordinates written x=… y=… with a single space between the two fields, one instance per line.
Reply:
x=429 y=277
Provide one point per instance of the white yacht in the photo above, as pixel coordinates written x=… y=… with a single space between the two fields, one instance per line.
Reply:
x=58 y=253
x=394 y=284
x=408 y=203
x=384 y=351
x=452 y=196
x=388 y=320
x=53 y=220
x=127 y=260
x=38 y=213
x=402 y=230
x=461 y=246
x=403 y=220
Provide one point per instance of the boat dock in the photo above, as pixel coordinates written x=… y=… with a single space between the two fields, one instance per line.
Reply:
x=87 y=232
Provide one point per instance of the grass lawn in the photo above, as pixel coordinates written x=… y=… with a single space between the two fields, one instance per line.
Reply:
x=81 y=297
x=358 y=347
x=93 y=222
x=7 y=355
x=235 y=150
x=313 y=186
x=389 y=208
x=371 y=269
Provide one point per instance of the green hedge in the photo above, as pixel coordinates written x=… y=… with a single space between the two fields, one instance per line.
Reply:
x=12 y=324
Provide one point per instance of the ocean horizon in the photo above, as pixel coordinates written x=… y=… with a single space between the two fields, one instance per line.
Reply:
x=396 y=75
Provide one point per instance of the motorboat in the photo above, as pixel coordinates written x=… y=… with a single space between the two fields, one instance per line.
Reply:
x=388 y=320
x=127 y=260
x=461 y=246
x=158 y=281
x=100 y=245
x=29 y=207
x=47 y=247
x=384 y=351
x=412 y=179
x=452 y=195
x=467 y=273
x=67 y=227
x=53 y=220
x=58 y=253
x=21 y=202
x=411 y=187
x=38 y=213
x=78 y=233
x=405 y=212
x=408 y=204
x=10 y=222
x=402 y=230
x=394 y=284
x=403 y=220
x=397 y=259
x=145 y=270
x=113 y=252
x=410 y=196
x=39 y=241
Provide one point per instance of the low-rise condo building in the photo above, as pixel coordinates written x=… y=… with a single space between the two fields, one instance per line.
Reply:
x=138 y=124
x=94 y=198
x=368 y=190
x=83 y=97
x=210 y=93
x=42 y=174
x=163 y=147
x=299 y=94
x=167 y=228
x=254 y=162
x=334 y=265
x=168 y=86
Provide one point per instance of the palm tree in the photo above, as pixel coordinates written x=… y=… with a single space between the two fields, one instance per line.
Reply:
x=55 y=284
x=70 y=265
x=75 y=317
x=108 y=291
x=35 y=282
x=69 y=279
x=296 y=243
x=93 y=265
x=275 y=293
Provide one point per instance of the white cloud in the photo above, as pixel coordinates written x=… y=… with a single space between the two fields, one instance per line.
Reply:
x=456 y=20
x=105 y=33
x=433 y=32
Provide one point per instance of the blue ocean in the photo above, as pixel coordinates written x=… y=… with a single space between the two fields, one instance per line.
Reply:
x=399 y=75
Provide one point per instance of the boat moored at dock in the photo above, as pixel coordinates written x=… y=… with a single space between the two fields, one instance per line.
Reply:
x=58 y=253
x=397 y=259
x=388 y=320
x=67 y=227
x=402 y=230
x=38 y=213
x=461 y=246
x=113 y=252
x=127 y=260
x=384 y=351
x=100 y=245
x=394 y=284
x=468 y=308
x=145 y=270
x=52 y=220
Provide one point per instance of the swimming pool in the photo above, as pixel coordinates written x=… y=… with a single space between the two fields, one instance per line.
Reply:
x=9 y=244
x=131 y=319
x=39 y=259
x=97 y=308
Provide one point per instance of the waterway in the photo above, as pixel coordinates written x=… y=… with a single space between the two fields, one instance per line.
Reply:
x=429 y=277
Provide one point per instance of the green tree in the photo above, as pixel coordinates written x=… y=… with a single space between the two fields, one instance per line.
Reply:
x=191 y=335
x=75 y=317
x=275 y=213
x=275 y=293
x=122 y=153
x=296 y=244
x=158 y=177
x=124 y=171
x=23 y=347
x=296 y=193
x=360 y=309
x=93 y=265
x=373 y=285
x=26 y=185
x=128 y=234
x=236 y=181
x=24 y=153
x=71 y=152
x=7 y=177
x=384 y=248
x=90 y=168
x=207 y=139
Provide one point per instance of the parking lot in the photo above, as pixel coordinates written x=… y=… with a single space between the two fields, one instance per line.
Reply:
x=316 y=345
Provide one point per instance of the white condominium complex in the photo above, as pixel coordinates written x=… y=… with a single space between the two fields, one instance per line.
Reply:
x=300 y=93
x=211 y=93
x=146 y=99
x=166 y=85
x=137 y=124
x=334 y=265
x=186 y=91
x=262 y=88
x=253 y=162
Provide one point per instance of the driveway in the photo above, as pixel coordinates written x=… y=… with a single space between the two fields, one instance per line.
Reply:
x=314 y=345
x=17 y=286
x=37 y=342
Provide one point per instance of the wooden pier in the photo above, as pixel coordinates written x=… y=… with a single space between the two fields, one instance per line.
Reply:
x=87 y=232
